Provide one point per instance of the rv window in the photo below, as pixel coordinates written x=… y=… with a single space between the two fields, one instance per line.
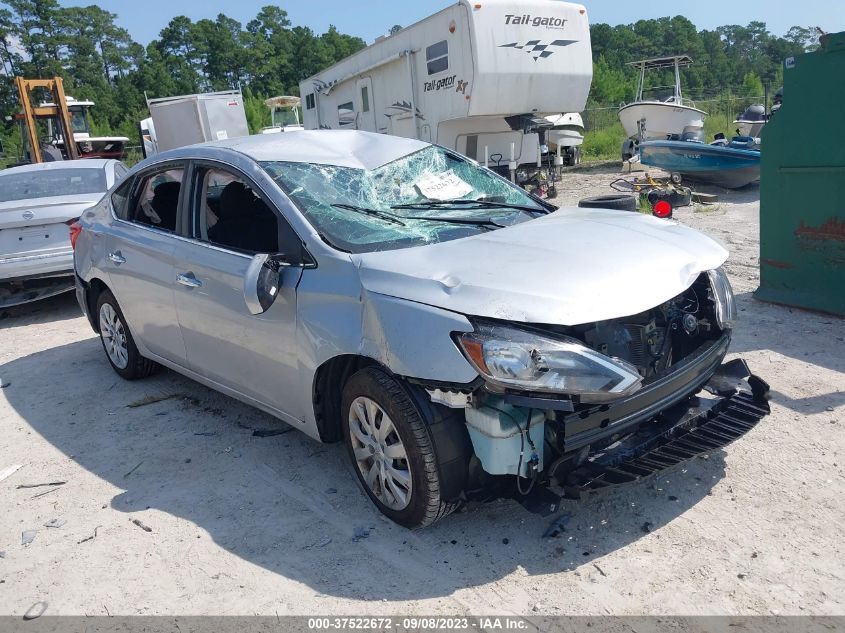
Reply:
x=437 y=57
x=346 y=114
x=309 y=101
x=365 y=99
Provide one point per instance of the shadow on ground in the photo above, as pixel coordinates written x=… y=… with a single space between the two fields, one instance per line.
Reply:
x=289 y=504
x=59 y=308
x=809 y=337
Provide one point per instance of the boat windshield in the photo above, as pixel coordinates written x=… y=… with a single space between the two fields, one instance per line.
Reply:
x=429 y=196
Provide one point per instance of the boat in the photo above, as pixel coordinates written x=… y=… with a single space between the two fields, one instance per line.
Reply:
x=88 y=146
x=567 y=132
x=659 y=118
x=731 y=165
x=288 y=109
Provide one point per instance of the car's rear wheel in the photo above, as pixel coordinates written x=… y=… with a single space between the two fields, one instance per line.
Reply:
x=391 y=445
x=117 y=341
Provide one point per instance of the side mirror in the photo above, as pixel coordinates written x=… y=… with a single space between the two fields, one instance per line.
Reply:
x=261 y=283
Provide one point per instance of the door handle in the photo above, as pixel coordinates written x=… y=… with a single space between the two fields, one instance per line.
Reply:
x=117 y=258
x=188 y=279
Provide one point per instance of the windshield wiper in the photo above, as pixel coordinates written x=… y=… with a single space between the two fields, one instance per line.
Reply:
x=374 y=213
x=480 y=204
x=482 y=222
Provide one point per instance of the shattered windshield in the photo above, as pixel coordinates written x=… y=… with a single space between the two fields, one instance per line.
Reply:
x=360 y=210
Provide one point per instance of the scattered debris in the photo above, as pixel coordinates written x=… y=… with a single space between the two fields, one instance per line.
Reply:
x=270 y=432
x=753 y=554
x=134 y=469
x=35 y=611
x=46 y=492
x=152 y=400
x=27 y=536
x=9 y=471
x=600 y=570
x=55 y=523
x=360 y=533
x=538 y=607
x=331 y=491
x=4 y=383
x=741 y=576
x=90 y=538
x=673 y=498
x=505 y=541
x=49 y=483
x=207 y=433
x=558 y=526
x=146 y=528
x=2 y=553
x=321 y=543
x=646 y=527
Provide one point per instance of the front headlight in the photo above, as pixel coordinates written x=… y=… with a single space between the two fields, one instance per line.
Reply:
x=723 y=296
x=520 y=359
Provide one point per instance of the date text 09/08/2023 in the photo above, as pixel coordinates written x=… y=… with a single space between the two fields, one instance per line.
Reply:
x=417 y=623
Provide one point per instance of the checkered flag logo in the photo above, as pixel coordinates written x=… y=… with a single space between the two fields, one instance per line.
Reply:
x=537 y=49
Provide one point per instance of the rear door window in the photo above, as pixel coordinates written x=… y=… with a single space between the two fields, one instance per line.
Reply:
x=156 y=199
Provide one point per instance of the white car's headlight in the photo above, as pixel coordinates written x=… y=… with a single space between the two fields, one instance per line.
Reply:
x=723 y=297
x=521 y=359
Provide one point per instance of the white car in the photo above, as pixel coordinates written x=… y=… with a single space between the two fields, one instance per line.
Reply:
x=38 y=203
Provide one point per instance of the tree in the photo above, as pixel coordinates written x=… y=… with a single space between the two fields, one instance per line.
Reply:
x=395 y=29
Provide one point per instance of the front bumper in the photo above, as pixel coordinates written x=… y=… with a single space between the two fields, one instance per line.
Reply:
x=732 y=403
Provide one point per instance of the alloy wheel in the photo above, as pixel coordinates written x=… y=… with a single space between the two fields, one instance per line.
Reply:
x=113 y=334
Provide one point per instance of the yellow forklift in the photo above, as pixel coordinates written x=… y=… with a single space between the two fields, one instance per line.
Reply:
x=36 y=148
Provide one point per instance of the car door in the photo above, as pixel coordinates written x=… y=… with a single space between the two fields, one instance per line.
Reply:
x=139 y=249
x=255 y=355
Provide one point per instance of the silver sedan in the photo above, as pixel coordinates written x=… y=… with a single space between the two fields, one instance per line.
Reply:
x=457 y=333
x=38 y=205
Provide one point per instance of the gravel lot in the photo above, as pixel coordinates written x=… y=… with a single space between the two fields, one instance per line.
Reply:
x=243 y=524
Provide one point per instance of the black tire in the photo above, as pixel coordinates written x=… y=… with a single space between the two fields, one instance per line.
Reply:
x=434 y=438
x=137 y=366
x=618 y=201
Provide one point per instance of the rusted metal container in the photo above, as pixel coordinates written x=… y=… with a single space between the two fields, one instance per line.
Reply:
x=802 y=185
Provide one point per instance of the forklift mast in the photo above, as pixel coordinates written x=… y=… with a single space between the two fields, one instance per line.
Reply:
x=31 y=114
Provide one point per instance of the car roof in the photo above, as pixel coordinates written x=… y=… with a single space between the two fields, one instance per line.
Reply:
x=82 y=163
x=341 y=148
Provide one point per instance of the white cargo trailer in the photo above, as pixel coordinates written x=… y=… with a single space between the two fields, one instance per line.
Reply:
x=188 y=119
x=474 y=76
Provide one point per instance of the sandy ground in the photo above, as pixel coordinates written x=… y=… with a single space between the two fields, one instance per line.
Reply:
x=240 y=524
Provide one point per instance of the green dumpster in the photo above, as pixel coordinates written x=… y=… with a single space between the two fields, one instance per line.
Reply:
x=802 y=185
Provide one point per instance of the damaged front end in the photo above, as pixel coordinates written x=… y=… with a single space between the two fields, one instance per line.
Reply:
x=587 y=407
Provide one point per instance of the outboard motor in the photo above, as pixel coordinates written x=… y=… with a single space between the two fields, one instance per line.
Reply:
x=695 y=134
x=756 y=112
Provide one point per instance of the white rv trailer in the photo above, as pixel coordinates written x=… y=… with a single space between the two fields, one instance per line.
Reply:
x=475 y=76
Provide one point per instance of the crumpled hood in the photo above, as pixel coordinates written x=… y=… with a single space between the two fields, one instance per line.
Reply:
x=571 y=267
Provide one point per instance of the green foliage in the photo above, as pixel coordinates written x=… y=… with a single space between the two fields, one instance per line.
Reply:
x=603 y=143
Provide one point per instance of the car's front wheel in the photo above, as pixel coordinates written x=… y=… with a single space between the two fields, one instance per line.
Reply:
x=390 y=438
x=117 y=341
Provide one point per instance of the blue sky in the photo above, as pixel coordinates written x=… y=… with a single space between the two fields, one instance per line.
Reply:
x=369 y=19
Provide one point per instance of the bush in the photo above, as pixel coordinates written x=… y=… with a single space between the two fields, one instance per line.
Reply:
x=604 y=143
